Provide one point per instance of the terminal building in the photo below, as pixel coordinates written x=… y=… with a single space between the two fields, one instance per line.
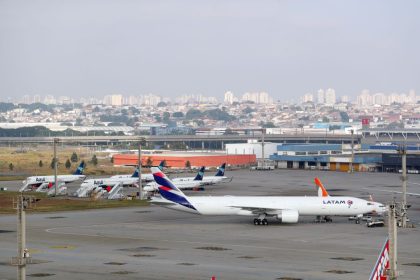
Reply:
x=337 y=157
x=322 y=157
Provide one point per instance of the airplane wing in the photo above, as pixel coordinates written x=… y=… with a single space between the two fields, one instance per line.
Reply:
x=260 y=210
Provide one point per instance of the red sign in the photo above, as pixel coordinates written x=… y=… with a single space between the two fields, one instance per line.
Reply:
x=365 y=121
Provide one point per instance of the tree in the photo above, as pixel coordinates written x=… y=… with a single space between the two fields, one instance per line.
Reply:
x=40 y=164
x=11 y=166
x=149 y=162
x=94 y=160
x=67 y=164
x=248 y=110
x=178 y=115
x=193 y=114
x=267 y=124
x=52 y=163
x=74 y=157
x=188 y=164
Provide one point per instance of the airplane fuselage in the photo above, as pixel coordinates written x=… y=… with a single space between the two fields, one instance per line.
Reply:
x=305 y=206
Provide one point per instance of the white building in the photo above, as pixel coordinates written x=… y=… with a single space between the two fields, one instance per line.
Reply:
x=330 y=98
x=320 y=96
x=252 y=148
x=229 y=97
x=309 y=97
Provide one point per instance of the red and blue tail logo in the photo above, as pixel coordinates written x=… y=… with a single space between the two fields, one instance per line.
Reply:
x=168 y=190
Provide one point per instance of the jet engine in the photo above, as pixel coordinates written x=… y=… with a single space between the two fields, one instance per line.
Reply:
x=288 y=216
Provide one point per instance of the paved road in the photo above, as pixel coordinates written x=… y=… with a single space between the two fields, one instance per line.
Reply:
x=157 y=243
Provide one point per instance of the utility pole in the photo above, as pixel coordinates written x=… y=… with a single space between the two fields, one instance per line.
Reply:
x=392 y=233
x=21 y=204
x=351 y=169
x=55 y=165
x=139 y=165
x=262 y=148
x=403 y=151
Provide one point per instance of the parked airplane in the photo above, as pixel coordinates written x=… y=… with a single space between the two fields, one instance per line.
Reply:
x=89 y=185
x=146 y=177
x=33 y=182
x=126 y=181
x=183 y=183
x=207 y=180
x=285 y=208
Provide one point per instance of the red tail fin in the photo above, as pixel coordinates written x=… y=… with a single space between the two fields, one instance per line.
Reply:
x=322 y=191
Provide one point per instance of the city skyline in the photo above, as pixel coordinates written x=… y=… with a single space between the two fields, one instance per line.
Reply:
x=284 y=48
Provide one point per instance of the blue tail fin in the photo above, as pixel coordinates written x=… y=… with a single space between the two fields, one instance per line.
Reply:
x=161 y=165
x=200 y=174
x=168 y=190
x=221 y=171
x=80 y=168
x=136 y=172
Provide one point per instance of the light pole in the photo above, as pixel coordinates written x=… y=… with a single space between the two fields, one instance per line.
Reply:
x=351 y=169
x=55 y=165
x=139 y=166
x=402 y=150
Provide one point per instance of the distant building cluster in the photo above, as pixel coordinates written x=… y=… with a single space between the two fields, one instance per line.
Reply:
x=328 y=97
x=325 y=97
x=368 y=99
x=255 y=97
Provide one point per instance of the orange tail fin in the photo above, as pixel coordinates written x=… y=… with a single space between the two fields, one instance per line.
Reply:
x=321 y=191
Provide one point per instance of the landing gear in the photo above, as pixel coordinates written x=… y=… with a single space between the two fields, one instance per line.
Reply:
x=323 y=219
x=259 y=222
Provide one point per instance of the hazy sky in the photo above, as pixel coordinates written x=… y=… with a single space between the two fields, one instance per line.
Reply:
x=287 y=48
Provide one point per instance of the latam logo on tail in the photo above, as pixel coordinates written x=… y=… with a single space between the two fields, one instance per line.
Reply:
x=382 y=264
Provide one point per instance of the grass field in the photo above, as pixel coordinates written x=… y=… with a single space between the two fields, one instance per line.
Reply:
x=25 y=161
x=55 y=204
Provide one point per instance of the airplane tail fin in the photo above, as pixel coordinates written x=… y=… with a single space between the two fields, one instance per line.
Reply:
x=136 y=172
x=322 y=192
x=200 y=174
x=162 y=165
x=80 y=168
x=168 y=190
x=221 y=171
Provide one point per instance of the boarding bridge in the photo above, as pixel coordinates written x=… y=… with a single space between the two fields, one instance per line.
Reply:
x=61 y=190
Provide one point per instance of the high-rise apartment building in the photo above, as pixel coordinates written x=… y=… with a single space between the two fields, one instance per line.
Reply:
x=309 y=97
x=229 y=97
x=330 y=98
x=257 y=97
x=320 y=96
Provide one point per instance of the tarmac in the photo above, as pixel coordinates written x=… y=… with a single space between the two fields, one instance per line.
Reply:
x=157 y=243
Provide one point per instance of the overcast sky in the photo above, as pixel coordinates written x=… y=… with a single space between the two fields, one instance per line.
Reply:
x=287 y=48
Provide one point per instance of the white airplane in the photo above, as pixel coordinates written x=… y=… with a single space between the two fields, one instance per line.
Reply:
x=146 y=177
x=206 y=180
x=126 y=181
x=33 y=182
x=285 y=208
x=183 y=183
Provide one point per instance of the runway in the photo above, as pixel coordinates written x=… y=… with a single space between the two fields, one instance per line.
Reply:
x=157 y=243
